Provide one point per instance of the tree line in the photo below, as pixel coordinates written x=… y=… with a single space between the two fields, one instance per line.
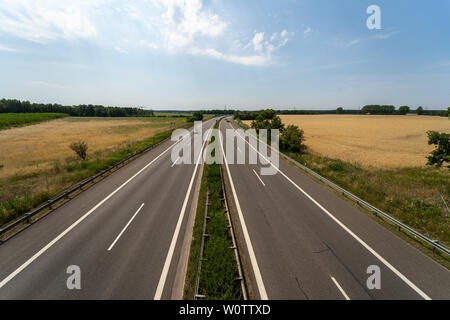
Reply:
x=89 y=110
x=368 y=109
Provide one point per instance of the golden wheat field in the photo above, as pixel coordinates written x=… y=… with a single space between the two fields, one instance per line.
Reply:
x=378 y=141
x=37 y=147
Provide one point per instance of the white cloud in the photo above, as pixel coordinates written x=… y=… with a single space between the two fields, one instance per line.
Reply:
x=7 y=49
x=274 y=36
x=251 y=60
x=173 y=25
x=119 y=49
x=353 y=42
x=147 y=44
x=45 y=84
x=308 y=30
x=263 y=50
x=383 y=36
x=184 y=21
x=45 y=20
x=257 y=41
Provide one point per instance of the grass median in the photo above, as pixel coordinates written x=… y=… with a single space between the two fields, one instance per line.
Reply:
x=218 y=268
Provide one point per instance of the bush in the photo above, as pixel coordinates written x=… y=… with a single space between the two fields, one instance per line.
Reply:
x=403 y=110
x=336 y=166
x=292 y=139
x=80 y=149
x=419 y=111
x=197 y=116
x=441 y=153
x=340 y=110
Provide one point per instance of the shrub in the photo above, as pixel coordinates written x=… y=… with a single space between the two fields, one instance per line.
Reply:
x=292 y=139
x=80 y=149
x=419 y=111
x=403 y=110
x=197 y=116
x=336 y=166
x=441 y=153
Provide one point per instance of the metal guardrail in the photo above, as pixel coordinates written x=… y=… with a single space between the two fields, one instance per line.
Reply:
x=399 y=224
x=66 y=194
x=434 y=243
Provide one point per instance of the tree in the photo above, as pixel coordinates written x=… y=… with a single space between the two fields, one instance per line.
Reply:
x=419 y=111
x=196 y=116
x=377 y=109
x=276 y=123
x=340 y=110
x=441 y=153
x=292 y=139
x=403 y=110
x=80 y=148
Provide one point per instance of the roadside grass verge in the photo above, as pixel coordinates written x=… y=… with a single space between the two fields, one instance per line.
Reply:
x=9 y=120
x=22 y=192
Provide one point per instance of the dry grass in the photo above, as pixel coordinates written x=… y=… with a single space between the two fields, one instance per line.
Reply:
x=378 y=141
x=35 y=148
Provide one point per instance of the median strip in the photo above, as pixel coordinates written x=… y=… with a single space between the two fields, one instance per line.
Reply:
x=213 y=270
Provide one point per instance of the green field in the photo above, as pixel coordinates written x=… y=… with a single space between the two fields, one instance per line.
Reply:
x=9 y=120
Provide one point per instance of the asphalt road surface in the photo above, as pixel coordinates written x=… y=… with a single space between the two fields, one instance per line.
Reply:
x=124 y=233
x=302 y=241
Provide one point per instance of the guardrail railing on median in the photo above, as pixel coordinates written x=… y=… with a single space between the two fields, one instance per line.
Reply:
x=434 y=243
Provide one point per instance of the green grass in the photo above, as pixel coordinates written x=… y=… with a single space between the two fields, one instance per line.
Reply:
x=219 y=270
x=194 y=255
x=9 y=120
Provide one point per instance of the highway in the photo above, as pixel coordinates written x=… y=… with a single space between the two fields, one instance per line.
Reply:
x=125 y=234
x=302 y=241
x=128 y=233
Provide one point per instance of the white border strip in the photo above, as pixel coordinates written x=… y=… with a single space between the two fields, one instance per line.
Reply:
x=125 y=228
x=340 y=288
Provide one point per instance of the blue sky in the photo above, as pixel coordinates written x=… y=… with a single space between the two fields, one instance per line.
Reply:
x=250 y=54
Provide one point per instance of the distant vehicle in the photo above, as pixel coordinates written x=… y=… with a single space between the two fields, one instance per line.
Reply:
x=228 y=120
x=195 y=132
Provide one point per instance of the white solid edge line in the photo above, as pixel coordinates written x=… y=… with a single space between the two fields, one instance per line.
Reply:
x=343 y=226
x=175 y=162
x=73 y=225
x=259 y=178
x=165 y=270
x=253 y=261
x=340 y=289
x=125 y=228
